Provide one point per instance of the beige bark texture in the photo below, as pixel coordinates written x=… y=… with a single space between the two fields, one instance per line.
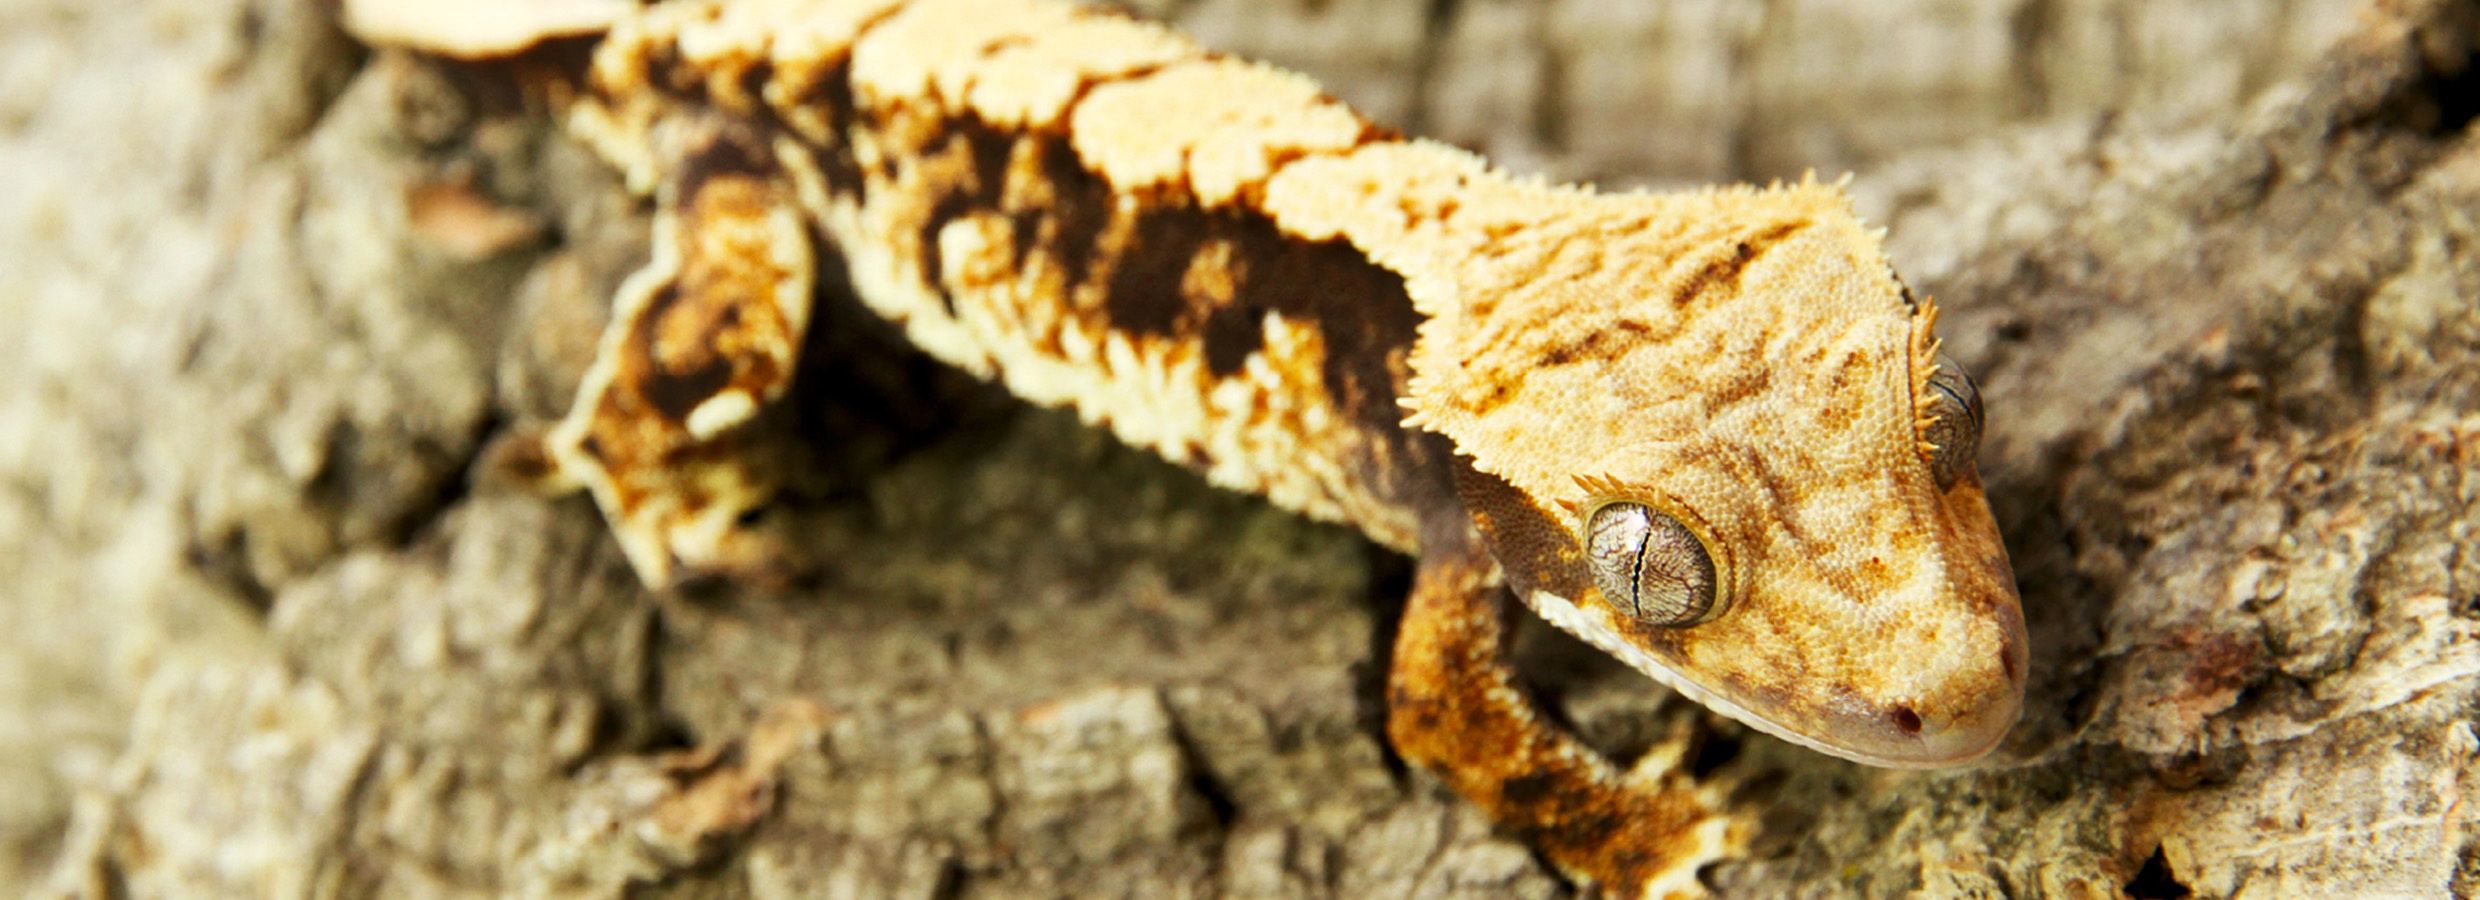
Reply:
x=268 y=627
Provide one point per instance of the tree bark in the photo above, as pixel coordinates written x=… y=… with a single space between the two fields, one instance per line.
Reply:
x=273 y=627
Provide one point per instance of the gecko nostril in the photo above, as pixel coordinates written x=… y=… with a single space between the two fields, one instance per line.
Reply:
x=1905 y=720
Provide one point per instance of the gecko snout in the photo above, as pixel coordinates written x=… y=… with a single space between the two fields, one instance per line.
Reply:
x=1952 y=719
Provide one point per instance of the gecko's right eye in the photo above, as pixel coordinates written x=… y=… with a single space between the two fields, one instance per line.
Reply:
x=1955 y=402
x=1650 y=566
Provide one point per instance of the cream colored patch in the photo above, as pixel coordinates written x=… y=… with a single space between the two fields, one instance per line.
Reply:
x=720 y=412
x=1214 y=127
x=476 y=29
x=1397 y=202
x=1028 y=86
x=930 y=50
x=1708 y=842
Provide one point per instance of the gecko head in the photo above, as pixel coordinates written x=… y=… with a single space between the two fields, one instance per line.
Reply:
x=1730 y=455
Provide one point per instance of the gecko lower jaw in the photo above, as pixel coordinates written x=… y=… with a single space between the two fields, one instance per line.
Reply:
x=1933 y=746
x=1895 y=741
x=1894 y=737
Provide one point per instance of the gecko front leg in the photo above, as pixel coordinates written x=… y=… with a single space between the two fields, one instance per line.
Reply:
x=667 y=428
x=1455 y=708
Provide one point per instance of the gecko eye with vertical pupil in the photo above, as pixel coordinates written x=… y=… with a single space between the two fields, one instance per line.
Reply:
x=1650 y=566
x=1955 y=430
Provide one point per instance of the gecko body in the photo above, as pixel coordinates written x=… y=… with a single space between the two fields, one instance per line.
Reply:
x=1706 y=432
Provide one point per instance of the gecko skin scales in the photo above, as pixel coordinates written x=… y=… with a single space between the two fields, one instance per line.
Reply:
x=1707 y=432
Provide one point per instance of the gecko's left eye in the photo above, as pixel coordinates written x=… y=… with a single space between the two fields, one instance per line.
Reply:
x=1650 y=566
x=1956 y=429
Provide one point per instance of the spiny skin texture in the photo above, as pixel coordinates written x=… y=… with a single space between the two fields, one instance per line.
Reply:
x=1217 y=261
x=1742 y=361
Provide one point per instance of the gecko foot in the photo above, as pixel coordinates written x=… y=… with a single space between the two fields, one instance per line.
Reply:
x=1455 y=708
x=672 y=428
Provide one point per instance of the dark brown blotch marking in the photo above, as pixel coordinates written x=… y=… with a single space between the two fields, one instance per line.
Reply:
x=985 y=181
x=1721 y=274
x=832 y=98
x=1360 y=310
x=1143 y=295
x=1837 y=414
x=666 y=74
x=1743 y=385
x=675 y=383
x=1070 y=224
x=1061 y=215
x=1851 y=363
x=753 y=79
x=731 y=150
x=1781 y=496
x=1571 y=814
x=1714 y=272
x=1228 y=341
x=1498 y=394
x=1579 y=821
x=1536 y=552
x=1598 y=344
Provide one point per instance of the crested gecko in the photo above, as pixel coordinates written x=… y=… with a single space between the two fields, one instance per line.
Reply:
x=1708 y=432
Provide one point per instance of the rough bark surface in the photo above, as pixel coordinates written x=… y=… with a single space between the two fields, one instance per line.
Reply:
x=273 y=629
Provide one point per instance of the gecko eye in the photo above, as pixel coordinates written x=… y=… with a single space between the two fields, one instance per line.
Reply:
x=1649 y=566
x=1956 y=431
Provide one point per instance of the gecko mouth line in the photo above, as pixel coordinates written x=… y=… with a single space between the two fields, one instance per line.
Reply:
x=1896 y=738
